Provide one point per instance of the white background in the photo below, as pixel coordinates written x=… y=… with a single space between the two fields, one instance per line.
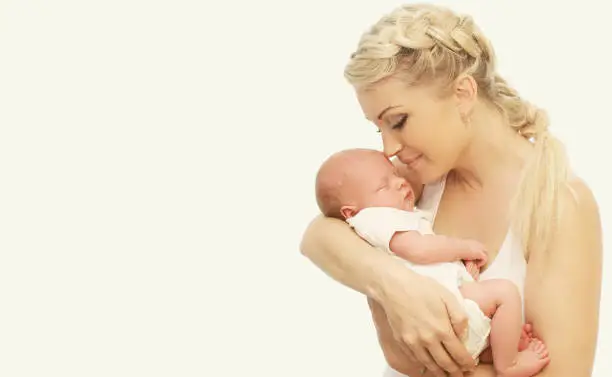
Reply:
x=157 y=162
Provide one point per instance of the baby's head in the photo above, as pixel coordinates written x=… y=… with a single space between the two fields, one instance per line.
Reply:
x=354 y=179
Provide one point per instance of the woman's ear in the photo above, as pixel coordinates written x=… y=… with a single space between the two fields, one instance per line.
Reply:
x=466 y=94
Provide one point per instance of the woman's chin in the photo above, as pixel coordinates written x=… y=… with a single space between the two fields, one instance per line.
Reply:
x=427 y=176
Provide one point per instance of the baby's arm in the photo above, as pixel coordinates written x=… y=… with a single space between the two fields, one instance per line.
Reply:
x=426 y=249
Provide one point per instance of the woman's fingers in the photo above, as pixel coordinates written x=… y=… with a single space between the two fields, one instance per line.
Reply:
x=408 y=354
x=458 y=353
x=457 y=316
x=420 y=329
x=424 y=358
x=391 y=346
x=452 y=343
x=431 y=351
x=456 y=313
x=441 y=357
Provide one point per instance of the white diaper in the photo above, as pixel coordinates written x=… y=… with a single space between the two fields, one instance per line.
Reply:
x=476 y=338
x=479 y=328
x=377 y=225
x=452 y=276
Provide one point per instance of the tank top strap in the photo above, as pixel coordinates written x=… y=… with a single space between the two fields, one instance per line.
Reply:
x=510 y=261
x=431 y=196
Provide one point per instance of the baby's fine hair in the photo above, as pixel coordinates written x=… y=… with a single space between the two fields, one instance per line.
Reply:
x=330 y=179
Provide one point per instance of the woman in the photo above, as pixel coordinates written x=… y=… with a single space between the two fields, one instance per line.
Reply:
x=491 y=171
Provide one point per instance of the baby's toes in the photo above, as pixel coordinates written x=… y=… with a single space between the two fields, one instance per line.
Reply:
x=538 y=345
x=533 y=345
x=543 y=348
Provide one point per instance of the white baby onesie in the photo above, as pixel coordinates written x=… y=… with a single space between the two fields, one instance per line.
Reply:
x=377 y=225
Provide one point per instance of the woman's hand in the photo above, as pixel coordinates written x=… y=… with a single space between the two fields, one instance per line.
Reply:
x=426 y=322
x=399 y=358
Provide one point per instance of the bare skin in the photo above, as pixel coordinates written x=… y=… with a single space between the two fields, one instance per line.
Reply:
x=363 y=178
x=478 y=189
x=483 y=161
x=500 y=301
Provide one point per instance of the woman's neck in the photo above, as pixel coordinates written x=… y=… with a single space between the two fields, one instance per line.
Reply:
x=495 y=151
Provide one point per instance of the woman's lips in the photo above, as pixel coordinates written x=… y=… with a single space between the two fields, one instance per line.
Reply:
x=410 y=161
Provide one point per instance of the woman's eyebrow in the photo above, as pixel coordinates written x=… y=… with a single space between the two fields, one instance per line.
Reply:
x=382 y=113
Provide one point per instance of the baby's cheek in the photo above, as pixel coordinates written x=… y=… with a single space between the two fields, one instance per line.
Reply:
x=391 y=201
x=379 y=200
x=386 y=199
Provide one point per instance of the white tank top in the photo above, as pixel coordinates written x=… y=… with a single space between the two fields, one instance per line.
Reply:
x=508 y=264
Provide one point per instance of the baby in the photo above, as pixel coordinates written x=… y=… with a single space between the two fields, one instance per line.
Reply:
x=361 y=186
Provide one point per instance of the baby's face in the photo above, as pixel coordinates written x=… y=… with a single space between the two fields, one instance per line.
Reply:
x=374 y=182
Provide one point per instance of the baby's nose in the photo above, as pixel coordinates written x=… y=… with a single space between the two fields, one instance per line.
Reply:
x=400 y=182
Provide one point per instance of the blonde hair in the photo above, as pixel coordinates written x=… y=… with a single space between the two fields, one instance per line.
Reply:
x=420 y=43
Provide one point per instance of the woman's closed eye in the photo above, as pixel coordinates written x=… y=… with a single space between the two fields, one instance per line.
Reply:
x=400 y=123
x=397 y=125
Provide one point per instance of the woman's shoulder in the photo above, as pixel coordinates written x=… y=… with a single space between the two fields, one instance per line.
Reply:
x=579 y=218
x=572 y=265
x=577 y=197
x=578 y=221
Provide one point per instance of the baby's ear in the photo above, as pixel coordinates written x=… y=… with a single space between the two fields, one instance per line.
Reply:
x=411 y=196
x=348 y=211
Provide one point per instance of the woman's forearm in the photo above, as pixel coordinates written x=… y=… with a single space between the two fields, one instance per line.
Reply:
x=333 y=247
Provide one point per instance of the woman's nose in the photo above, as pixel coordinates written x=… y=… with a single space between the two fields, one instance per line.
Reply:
x=390 y=146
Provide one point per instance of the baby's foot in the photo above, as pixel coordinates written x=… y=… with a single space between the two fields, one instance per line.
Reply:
x=526 y=336
x=529 y=361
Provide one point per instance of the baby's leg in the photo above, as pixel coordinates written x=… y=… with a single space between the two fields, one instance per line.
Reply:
x=500 y=300
x=486 y=357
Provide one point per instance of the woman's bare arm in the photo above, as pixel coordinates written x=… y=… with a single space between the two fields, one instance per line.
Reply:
x=424 y=316
x=339 y=252
x=398 y=357
x=401 y=358
x=563 y=288
x=563 y=285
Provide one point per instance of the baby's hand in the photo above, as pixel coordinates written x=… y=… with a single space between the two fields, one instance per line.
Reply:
x=476 y=252
x=473 y=269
